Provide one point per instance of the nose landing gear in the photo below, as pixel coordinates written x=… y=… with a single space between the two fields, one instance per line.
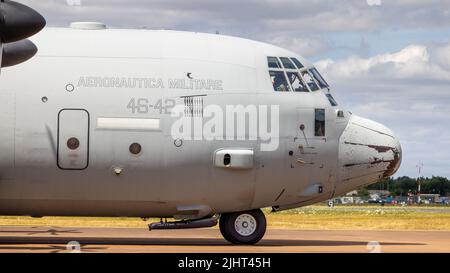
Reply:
x=243 y=228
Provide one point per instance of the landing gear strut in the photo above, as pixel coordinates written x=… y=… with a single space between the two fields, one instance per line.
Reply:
x=243 y=228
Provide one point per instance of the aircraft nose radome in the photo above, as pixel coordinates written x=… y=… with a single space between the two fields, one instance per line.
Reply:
x=368 y=151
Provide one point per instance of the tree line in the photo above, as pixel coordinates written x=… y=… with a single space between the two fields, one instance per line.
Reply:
x=401 y=186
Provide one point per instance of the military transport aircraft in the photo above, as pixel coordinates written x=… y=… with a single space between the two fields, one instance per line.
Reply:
x=202 y=128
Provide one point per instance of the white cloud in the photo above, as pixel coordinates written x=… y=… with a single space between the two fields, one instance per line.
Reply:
x=441 y=56
x=415 y=62
x=374 y=2
x=268 y=15
x=298 y=25
x=409 y=91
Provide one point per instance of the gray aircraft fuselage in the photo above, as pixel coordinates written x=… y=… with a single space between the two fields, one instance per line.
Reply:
x=87 y=129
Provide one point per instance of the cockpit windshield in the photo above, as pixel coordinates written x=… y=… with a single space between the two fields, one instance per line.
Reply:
x=310 y=81
x=297 y=83
x=297 y=63
x=273 y=62
x=279 y=81
x=289 y=74
x=319 y=78
x=287 y=63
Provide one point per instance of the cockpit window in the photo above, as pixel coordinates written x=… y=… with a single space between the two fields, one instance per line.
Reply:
x=297 y=63
x=297 y=83
x=319 y=122
x=332 y=100
x=273 y=62
x=279 y=81
x=319 y=78
x=287 y=63
x=310 y=81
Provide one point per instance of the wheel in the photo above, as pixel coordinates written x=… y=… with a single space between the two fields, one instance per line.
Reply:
x=243 y=228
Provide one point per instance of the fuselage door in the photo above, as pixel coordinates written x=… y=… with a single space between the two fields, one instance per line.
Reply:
x=73 y=139
x=317 y=151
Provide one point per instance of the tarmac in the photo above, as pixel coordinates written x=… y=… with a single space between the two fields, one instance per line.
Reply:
x=140 y=240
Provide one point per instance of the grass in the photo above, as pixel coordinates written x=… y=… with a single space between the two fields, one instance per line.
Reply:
x=363 y=218
x=308 y=218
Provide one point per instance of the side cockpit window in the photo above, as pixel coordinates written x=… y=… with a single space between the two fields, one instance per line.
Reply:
x=279 y=81
x=273 y=62
x=310 y=81
x=320 y=80
x=296 y=82
x=332 y=100
x=319 y=126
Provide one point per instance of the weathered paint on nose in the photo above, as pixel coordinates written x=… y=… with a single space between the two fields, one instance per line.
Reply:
x=368 y=152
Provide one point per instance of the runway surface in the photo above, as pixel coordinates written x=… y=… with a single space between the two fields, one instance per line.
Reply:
x=132 y=240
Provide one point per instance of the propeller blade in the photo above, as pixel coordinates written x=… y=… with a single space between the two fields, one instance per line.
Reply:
x=18 y=21
x=1 y=55
x=17 y=52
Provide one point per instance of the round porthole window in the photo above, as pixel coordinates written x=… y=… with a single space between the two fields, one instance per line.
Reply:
x=135 y=148
x=73 y=143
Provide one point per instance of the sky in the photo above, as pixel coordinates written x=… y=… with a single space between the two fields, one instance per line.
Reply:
x=385 y=60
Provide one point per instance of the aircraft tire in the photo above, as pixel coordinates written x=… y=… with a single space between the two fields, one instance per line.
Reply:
x=243 y=228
